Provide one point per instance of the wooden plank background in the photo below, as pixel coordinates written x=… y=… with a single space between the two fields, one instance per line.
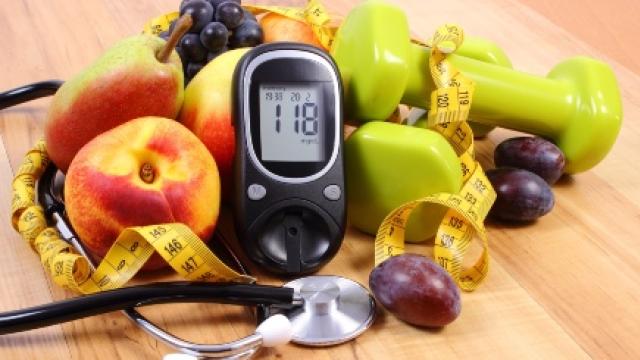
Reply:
x=567 y=286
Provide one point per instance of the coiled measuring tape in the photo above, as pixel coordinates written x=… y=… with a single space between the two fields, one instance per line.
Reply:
x=450 y=104
x=176 y=243
x=314 y=14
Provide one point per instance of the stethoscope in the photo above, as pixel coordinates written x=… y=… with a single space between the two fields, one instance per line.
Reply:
x=312 y=311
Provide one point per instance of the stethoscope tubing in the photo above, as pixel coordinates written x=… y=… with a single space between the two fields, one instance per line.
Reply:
x=126 y=299
x=239 y=349
x=136 y=296
x=29 y=92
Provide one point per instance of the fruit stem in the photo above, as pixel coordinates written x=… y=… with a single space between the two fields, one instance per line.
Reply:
x=183 y=25
x=146 y=173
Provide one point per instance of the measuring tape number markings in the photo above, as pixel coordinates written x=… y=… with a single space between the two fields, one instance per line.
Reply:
x=450 y=104
x=176 y=243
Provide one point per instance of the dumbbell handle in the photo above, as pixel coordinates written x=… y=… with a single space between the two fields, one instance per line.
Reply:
x=577 y=105
x=529 y=103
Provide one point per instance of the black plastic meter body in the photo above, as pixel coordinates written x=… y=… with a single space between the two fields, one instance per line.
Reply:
x=289 y=174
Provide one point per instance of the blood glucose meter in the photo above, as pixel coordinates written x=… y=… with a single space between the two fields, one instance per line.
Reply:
x=289 y=174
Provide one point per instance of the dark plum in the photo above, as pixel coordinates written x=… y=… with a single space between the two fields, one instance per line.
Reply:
x=522 y=196
x=201 y=13
x=535 y=154
x=247 y=35
x=416 y=290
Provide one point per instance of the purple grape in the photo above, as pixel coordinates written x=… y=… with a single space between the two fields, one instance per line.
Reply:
x=192 y=48
x=201 y=12
x=214 y=36
x=248 y=16
x=213 y=55
x=184 y=3
x=193 y=69
x=247 y=35
x=416 y=290
x=216 y=3
x=230 y=14
x=535 y=154
x=522 y=195
x=183 y=57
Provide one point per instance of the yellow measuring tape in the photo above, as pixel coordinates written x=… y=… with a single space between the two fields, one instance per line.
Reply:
x=448 y=113
x=176 y=243
x=159 y=24
x=314 y=14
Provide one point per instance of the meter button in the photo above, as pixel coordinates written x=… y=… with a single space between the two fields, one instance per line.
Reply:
x=256 y=192
x=332 y=192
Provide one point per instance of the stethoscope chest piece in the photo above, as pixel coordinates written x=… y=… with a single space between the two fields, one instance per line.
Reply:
x=335 y=310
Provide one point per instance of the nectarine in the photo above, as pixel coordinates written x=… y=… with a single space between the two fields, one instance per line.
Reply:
x=147 y=171
x=277 y=27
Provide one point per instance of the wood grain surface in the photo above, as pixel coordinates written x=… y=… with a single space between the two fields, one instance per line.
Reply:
x=567 y=286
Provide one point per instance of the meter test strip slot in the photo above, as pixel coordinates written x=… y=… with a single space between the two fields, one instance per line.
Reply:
x=289 y=173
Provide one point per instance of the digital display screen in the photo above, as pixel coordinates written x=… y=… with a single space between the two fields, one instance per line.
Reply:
x=291 y=126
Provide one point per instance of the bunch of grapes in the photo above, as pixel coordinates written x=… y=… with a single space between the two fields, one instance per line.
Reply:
x=218 y=26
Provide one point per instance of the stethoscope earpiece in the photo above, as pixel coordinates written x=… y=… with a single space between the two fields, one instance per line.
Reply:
x=275 y=331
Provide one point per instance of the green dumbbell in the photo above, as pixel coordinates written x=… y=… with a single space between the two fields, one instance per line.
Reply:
x=474 y=48
x=482 y=50
x=577 y=105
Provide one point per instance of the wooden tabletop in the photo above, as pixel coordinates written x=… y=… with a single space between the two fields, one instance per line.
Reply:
x=567 y=286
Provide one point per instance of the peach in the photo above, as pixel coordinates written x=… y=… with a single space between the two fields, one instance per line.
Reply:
x=147 y=171
x=277 y=27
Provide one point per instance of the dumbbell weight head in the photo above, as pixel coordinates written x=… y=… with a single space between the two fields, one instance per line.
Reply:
x=390 y=164
x=373 y=59
x=373 y=48
x=589 y=134
x=577 y=106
